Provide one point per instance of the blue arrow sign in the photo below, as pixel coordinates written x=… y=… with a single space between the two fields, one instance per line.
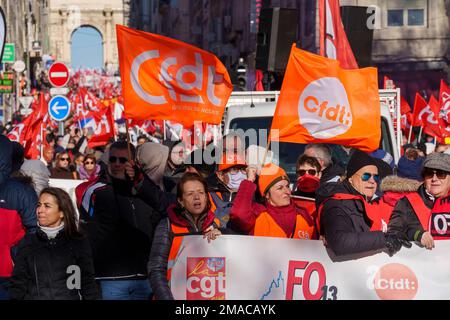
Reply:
x=59 y=108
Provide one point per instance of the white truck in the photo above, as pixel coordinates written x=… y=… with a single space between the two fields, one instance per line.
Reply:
x=255 y=110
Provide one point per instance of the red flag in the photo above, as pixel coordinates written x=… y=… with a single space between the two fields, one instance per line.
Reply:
x=444 y=101
x=430 y=118
x=104 y=129
x=333 y=40
x=419 y=105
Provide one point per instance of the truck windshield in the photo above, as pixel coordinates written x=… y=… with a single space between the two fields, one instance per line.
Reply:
x=289 y=152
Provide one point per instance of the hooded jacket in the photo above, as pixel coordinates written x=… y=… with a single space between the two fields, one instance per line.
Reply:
x=159 y=255
x=153 y=160
x=404 y=222
x=38 y=172
x=18 y=203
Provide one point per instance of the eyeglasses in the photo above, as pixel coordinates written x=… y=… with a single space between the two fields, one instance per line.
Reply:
x=366 y=177
x=63 y=159
x=429 y=173
x=89 y=162
x=302 y=172
x=235 y=170
x=114 y=159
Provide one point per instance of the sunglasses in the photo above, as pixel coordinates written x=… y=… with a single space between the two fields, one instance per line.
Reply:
x=429 y=173
x=114 y=159
x=366 y=177
x=302 y=172
x=63 y=159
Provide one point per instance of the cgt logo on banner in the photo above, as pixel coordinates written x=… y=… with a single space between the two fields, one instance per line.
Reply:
x=205 y=279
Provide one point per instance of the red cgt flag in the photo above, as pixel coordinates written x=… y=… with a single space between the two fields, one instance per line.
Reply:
x=419 y=110
x=444 y=102
x=166 y=79
x=430 y=118
x=333 y=40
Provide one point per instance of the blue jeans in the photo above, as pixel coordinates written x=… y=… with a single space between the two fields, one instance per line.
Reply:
x=126 y=289
x=4 y=286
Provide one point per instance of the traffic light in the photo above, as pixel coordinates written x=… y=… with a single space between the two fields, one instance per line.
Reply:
x=242 y=75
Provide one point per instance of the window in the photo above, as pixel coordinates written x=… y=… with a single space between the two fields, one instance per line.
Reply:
x=416 y=17
x=395 y=18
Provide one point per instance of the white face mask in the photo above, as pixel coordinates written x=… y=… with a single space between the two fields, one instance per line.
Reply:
x=235 y=179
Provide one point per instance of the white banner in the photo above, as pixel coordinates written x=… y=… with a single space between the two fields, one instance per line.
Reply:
x=262 y=268
x=69 y=186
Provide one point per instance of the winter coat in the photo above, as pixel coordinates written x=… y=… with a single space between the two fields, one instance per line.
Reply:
x=245 y=212
x=121 y=231
x=63 y=173
x=404 y=222
x=38 y=172
x=162 y=244
x=18 y=203
x=84 y=175
x=41 y=270
x=346 y=226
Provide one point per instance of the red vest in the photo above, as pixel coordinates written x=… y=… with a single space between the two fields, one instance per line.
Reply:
x=378 y=212
x=439 y=222
x=11 y=232
x=420 y=209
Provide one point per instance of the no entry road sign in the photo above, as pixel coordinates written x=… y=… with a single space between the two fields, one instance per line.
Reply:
x=58 y=74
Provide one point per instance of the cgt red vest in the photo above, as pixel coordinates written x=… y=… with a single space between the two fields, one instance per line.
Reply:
x=439 y=222
x=11 y=232
x=378 y=213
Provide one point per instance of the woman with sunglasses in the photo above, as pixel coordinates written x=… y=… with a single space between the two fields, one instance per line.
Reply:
x=278 y=216
x=62 y=168
x=348 y=219
x=90 y=169
x=411 y=216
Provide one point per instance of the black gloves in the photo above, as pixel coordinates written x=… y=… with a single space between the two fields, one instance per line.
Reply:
x=394 y=244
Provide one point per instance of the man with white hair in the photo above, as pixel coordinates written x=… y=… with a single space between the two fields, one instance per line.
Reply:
x=331 y=172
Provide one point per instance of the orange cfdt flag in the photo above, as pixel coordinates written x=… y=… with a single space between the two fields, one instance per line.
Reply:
x=166 y=79
x=321 y=102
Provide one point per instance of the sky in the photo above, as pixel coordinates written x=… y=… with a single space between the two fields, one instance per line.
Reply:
x=86 y=48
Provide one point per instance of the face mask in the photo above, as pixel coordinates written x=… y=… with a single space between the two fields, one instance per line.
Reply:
x=307 y=183
x=235 y=179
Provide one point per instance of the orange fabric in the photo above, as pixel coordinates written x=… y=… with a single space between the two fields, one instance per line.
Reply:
x=266 y=226
x=166 y=79
x=421 y=210
x=175 y=248
x=321 y=102
x=333 y=40
x=231 y=160
x=269 y=173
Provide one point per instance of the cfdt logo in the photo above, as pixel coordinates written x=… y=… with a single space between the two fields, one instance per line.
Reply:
x=205 y=279
x=324 y=109
x=395 y=281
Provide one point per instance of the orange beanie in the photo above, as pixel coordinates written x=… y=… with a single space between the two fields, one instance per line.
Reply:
x=270 y=174
x=231 y=160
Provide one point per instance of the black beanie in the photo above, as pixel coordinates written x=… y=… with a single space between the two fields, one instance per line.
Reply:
x=358 y=160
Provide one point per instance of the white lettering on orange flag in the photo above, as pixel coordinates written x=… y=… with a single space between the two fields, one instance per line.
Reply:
x=166 y=79
x=321 y=102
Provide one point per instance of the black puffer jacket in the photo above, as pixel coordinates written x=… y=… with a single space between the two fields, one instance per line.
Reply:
x=121 y=231
x=41 y=269
x=345 y=225
x=159 y=256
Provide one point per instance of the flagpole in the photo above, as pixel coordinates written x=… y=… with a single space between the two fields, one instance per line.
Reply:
x=42 y=142
x=164 y=130
x=410 y=133
x=128 y=141
x=420 y=134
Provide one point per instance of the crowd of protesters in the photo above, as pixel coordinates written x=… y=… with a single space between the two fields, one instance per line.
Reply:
x=136 y=203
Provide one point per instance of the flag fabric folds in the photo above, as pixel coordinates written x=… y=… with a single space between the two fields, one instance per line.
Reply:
x=166 y=79
x=322 y=102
